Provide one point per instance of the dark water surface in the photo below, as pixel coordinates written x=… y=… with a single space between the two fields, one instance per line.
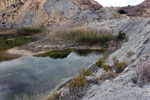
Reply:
x=30 y=76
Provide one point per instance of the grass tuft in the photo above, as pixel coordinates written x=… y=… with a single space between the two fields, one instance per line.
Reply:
x=77 y=82
x=54 y=96
x=85 y=72
x=119 y=66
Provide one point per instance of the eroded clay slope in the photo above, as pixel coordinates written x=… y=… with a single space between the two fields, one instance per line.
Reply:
x=18 y=13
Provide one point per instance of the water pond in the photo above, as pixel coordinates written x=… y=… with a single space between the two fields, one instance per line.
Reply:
x=30 y=76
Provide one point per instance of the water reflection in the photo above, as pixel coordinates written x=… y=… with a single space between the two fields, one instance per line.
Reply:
x=37 y=75
x=60 y=54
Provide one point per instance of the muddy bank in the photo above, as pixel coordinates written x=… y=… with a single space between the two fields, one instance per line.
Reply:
x=4 y=56
x=45 y=45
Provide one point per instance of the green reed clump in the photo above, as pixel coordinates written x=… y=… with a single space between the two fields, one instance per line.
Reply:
x=29 y=30
x=85 y=36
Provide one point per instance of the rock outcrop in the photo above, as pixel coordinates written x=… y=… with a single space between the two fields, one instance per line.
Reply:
x=18 y=13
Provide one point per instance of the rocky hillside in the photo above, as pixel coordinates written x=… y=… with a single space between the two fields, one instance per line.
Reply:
x=17 y=13
x=133 y=82
x=142 y=10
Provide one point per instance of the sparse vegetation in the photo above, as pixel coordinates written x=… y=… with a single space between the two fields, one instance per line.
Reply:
x=29 y=30
x=119 y=66
x=7 y=44
x=21 y=37
x=121 y=35
x=80 y=81
x=100 y=62
x=85 y=72
x=54 y=96
x=107 y=76
x=77 y=82
x=106 y=67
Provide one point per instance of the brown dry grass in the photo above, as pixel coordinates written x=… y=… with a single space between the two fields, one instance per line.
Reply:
x=7 y=31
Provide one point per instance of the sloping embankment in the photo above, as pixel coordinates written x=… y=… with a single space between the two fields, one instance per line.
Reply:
x=122 y=87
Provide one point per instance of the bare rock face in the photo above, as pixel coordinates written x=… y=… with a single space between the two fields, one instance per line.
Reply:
x=23 y=13
x=122 y=87
x=86 y=4
x=18 y=13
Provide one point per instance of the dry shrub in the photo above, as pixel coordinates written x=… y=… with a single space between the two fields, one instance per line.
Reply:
x=107 y=76
x=119 y=66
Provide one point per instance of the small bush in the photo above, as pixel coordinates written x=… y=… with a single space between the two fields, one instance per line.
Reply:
x=120 y=66
x=100 y=62
x=55 y=96
x=77 y=82
x=121 y=11
x=121 y=35
x=106 y=68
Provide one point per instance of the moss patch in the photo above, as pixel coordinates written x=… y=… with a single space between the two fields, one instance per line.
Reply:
x=7 y=44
